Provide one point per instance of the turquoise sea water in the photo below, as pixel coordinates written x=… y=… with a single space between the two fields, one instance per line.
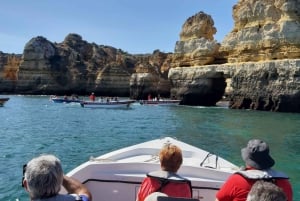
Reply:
x=31 y=125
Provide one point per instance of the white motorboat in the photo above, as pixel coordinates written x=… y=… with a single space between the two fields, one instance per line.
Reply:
x=109 y=104
x=65 y=100
x=116 y=176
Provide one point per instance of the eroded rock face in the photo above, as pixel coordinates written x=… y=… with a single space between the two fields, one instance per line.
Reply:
x=197 y=85
x=263 y=30
x=269 y=86
x=196 y=45
x=150 y=77
x=73 y=66
x=36 y=69
x=76 y=66
x=9 y=66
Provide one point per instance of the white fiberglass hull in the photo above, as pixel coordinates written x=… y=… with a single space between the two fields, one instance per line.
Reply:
x=116 y=176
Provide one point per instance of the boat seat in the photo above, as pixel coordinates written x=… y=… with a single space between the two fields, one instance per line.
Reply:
x=163 y=198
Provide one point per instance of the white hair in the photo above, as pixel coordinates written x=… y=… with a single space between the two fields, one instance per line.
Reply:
x=44 y=176
x=266 y=191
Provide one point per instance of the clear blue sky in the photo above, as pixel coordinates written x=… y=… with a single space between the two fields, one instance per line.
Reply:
x=135 y=26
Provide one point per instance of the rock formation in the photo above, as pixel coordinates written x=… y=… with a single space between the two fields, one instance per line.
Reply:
x=263 y=30
x=196 y=48
x=196 y=45
x=269 y=86
x=197 y=85
x=9 y=66
x=151 y=76
x=74 y=66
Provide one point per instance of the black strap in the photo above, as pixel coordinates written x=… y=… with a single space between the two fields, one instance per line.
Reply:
x=163 y=183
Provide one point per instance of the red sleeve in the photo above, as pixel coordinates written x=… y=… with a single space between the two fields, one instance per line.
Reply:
x=235 y=188
x=286 y=187
x=147 y=187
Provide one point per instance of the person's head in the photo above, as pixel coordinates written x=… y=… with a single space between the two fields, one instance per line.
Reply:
x=256 y=155
x=154 y=196
x=170 y=157
x=43 y=176
x=266 y=191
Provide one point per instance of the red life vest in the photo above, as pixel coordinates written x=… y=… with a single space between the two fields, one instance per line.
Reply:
x=166 y=182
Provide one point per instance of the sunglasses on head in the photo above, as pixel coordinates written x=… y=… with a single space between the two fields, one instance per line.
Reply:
x=24 y=170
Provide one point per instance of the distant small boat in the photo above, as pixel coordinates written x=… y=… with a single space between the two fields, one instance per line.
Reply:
x=64 y=100
x=3 y=101
x=159 y=102
x=110 y=104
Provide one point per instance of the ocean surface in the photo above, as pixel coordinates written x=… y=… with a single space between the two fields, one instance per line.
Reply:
x=32 y=125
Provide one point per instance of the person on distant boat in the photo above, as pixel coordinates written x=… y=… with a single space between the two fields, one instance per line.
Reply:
x=266 y=191
x=149 y=97
x=258 y=167
x=166 y=180
x=92 y=97
x=43 y=177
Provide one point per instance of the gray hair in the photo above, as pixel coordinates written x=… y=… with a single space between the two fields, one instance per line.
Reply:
x=266 y=191
x=44 y=176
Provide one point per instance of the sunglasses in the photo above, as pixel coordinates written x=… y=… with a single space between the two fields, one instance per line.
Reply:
x=24 y=170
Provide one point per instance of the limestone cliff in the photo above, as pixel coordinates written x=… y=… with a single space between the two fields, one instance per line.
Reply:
x=263 y=30
x=9 y=66
x=196 y=45
x=262 y=53
x=76 y=66
x=269 y=85
x=73 y=66
x=197 y=85
x=151 y=76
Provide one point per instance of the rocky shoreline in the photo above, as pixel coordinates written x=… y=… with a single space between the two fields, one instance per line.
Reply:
x=257 y=65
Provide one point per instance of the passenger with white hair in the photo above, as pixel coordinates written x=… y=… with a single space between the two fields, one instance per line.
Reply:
x=43 y=177
x=266 y=191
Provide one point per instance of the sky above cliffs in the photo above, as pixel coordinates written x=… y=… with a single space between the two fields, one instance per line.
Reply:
x=135 y=26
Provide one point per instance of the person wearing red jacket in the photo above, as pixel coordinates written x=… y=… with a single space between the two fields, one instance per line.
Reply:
x=258 y=167
x=92 y=97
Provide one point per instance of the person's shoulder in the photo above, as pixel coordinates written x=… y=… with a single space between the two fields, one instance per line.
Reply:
x=236 y=175
x=283 y=181
x=236 y=178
